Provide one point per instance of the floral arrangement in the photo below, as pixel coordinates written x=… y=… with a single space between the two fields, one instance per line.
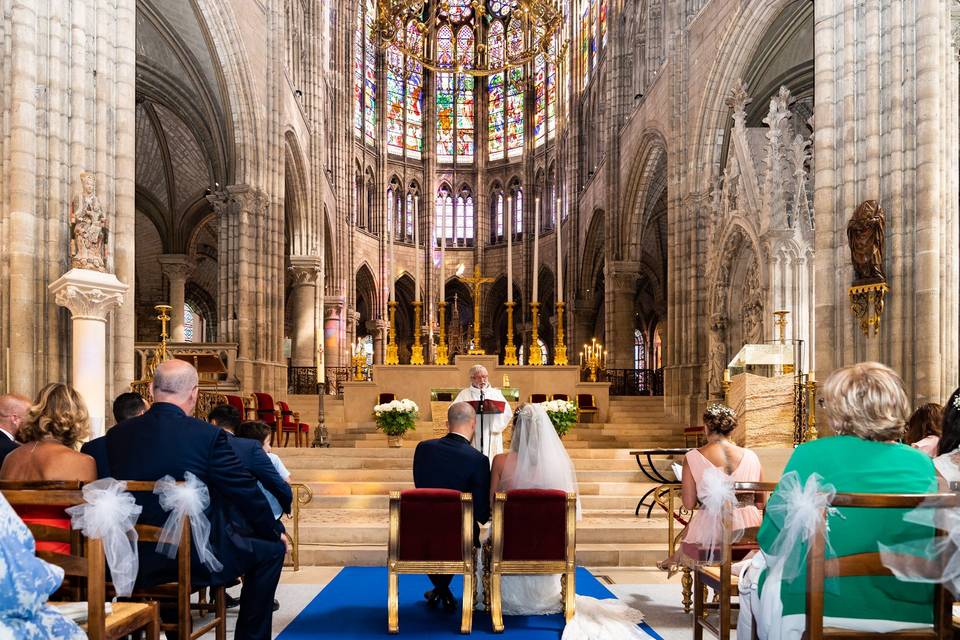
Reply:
x=397 y=417
x=563 y=415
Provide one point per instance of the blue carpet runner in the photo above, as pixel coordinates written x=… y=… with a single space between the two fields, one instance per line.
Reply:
x=354 y=605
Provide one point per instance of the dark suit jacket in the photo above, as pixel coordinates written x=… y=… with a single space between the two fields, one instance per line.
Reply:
x=255 y=460
x=97 y=449
x=6 y=446
x=165 y=441
x=451 y=462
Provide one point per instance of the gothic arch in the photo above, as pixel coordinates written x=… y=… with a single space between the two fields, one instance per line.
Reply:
x=302 y=232
x=645 y=186
x=367 y=302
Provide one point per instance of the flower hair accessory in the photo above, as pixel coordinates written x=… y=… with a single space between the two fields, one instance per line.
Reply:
x=956 y=402
x=719 y=411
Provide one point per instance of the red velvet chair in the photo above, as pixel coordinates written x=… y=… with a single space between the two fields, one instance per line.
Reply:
x=290 y=423
x=431 y=531
x=561 y=396
x=587 y=407
x=534 y=531
x=386 y=397
x=267 y=412
x=237 y=403
x=537 y=398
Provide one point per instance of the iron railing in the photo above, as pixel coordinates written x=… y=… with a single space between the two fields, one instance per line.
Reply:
x=634 y=382
x=303 y=380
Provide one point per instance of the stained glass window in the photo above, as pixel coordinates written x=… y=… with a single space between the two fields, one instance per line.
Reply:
x=455 y=218
x=395 y=101
x=518 y=213
x=552 y=96
x=594 y=23
x=444 y=213
x=409 y=215
x=639 y=350
x=585 y=41
x=514 y=91
x=496 y=46
x=445 y=95
x=358 y=76
x=540 y=93
x=369 y=74
x=497 y=216
x=190 y=323
x=414 y=95
x=603 y=23
x=464 y=97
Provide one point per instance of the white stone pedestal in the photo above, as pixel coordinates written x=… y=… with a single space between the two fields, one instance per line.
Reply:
x=89 y=295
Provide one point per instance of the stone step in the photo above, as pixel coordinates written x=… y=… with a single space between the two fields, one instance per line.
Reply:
x=406 y=475
x=299 y=463
x=383 y=451
x=571 y=445
x=381 y=501
x=350 y=488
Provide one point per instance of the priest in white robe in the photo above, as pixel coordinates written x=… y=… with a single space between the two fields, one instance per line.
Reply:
x=493 y=425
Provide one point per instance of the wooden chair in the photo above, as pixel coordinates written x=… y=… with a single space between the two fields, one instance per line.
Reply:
x=694 y=436
x=84 y=566
x=181 y=590
x=537 y=398
x=869 y=564
x=290 y=423
x=386 y=397
x=719 y=577
x=431 y=531
x=237 y=403
x=267 y=412
x=560 y=396
x=534 y=531
x=587 y=406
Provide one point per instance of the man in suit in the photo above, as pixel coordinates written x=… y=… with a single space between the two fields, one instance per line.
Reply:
x=451 y=462
x=125 y=406
x=13 y=409
x=244 y=536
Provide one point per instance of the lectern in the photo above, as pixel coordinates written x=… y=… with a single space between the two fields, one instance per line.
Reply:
x=486 y=407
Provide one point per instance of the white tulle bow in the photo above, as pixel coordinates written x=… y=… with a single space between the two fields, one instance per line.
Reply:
x=801 y=508
x=110 y=515
x=187 y=499
x=931 y=560
x=716 y=494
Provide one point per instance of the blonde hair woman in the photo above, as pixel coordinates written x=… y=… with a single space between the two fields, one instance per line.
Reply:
x=50 y=432
x=867 y=408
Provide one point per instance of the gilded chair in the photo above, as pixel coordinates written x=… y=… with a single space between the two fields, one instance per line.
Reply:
x=587 y=407
x=385 y=397
x=537 y=398
x=534 y=532
x=431 y=531
x=560 y=396
x=290 y=423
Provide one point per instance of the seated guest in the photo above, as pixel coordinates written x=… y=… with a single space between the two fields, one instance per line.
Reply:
x=923 y=428
x=244 y=536
x=125 y=406
x=26 y=583
x=866 y=406
x=259 y=432
x=703 y=535
x=13 y=409
x=947 y=461
x=50 y=433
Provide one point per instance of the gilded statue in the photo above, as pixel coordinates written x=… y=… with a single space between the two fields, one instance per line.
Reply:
x=865 y=233
x=88 y=228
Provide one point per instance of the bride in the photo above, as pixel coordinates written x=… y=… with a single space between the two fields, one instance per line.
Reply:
x=538 y=460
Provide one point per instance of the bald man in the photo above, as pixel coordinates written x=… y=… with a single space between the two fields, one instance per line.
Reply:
x=167 y=440
x=13 y=409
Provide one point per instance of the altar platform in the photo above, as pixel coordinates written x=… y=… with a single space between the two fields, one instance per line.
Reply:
x=417 y=382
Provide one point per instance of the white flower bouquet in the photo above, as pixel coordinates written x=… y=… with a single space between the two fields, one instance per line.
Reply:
x=397 y=417
x=562 y=413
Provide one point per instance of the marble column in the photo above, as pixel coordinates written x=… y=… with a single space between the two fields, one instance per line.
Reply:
x=90 y=296
x=177 y=267
x=620 y=289
x=379 y=340
x=304 y=270
x=333 y=331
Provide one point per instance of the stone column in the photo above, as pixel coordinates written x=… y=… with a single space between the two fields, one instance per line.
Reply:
x=177 y=267
x=333 y=333
x=305 y=270
x=379 y=340
x=620 y=288
x=90 y=295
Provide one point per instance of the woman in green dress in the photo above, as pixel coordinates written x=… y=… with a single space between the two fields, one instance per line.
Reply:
x=867 y=408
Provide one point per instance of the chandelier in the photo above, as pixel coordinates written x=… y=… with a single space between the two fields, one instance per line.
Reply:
x=410 y=26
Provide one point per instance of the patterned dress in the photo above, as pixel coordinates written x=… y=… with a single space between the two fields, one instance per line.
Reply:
x=26 y=582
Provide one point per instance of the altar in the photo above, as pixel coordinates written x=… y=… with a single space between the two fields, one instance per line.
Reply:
x=417 y=383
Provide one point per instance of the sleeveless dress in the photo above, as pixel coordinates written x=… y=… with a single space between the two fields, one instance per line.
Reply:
x=699 y=531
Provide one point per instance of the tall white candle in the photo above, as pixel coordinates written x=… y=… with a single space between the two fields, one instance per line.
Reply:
x=510 y=248
x=443 y=247
x=391 y=229
x=559 y=258
x=536 y=248
x=416 y=247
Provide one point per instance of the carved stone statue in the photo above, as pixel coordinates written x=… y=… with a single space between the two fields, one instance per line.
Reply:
x=865 y=232
x=88 y=228
x=718 y=354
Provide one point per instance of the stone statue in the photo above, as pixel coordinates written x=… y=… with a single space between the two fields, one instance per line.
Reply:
x=88 y=228
x=865 y=233
x=718 y=355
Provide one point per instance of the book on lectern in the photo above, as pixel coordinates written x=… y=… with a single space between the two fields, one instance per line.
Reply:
x=490 y=407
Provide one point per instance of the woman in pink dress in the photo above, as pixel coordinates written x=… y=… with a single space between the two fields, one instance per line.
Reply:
x=712 y=467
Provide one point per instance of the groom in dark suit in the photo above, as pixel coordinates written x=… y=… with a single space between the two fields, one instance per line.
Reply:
x=451 y=462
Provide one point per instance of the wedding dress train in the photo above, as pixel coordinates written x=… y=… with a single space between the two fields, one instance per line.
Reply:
x=539 y=460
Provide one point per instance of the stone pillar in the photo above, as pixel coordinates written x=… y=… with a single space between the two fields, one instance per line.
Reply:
x=90 y=295
x=177 y=267
x=379 y=330
x=333 y=331
x=620 y=288
x=303 y=300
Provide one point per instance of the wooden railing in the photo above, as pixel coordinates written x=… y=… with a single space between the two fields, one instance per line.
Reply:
x=634 y=382
x=303 y=380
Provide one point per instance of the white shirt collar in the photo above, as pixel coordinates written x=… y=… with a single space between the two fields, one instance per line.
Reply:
x=6 y=433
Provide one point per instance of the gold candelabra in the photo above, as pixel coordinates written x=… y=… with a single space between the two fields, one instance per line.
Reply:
x=416 y=352
x=441 y=357
x=726 y=386
x=560 y=348
x=393 y=356
x=510 y=351
x=536 y=356
x=594 y=358
x=811 y=408
x=781 y=322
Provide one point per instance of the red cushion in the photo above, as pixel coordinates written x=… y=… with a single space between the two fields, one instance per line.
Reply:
x=560 y=396
x=386 y=397
x=585 y=401
x=291 y=427
x=237 y=403
x=265 y=409
x=537 y=398
x=431 y=525
x=535 y=525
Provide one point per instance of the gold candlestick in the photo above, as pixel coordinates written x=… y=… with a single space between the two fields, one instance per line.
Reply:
x=536 y=356
x=393 y=357
x=781 y=322
x=593 y=358
x=560 y=348
x=359 y=363
x=416 y=352
x=510 y=351
x=441 y=357
x=811 y=409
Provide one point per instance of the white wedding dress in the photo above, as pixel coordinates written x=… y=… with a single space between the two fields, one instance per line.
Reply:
x=538 y=460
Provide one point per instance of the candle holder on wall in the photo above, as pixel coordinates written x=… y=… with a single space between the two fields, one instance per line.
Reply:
x=510 y=351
